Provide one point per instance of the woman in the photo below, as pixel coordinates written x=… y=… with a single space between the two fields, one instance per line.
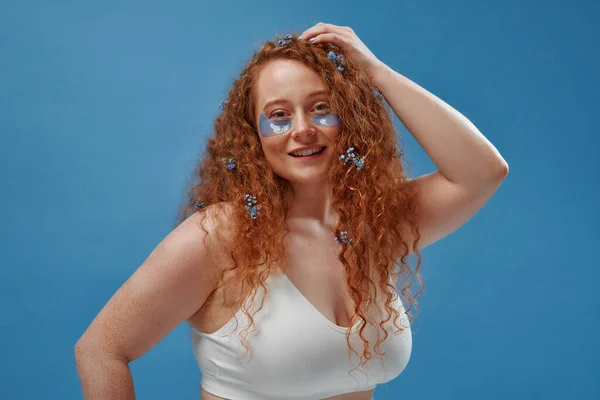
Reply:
x=299 y=249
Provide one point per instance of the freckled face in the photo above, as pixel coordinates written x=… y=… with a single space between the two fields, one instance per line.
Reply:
x=287 y=91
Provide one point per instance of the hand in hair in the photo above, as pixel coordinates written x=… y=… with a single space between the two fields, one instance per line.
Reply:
x=350 y=45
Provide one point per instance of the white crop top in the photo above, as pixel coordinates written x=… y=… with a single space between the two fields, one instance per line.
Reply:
x=296 y=352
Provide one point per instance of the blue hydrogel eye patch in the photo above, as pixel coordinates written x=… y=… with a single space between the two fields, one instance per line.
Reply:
x=269 y=127
x=329 y=119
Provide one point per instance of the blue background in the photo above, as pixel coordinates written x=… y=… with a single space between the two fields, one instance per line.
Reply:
x=105 y=107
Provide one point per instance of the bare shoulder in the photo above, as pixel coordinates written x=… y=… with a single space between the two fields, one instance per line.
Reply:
x=217 y=221
x=166 y=289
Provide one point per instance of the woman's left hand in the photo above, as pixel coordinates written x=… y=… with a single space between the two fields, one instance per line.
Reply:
x=344 y=38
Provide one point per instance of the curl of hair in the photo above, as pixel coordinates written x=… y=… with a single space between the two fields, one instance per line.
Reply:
x=376 y=205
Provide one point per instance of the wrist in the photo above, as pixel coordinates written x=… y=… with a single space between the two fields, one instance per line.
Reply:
x=378 y=74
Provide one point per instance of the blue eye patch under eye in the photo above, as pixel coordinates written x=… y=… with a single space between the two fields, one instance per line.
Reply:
x=269 y=127
x=329 y=119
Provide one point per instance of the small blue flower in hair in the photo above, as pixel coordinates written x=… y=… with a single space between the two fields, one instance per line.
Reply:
x=230 y=163
x=284 y=41
x=252 y=209
x=377 y=94
x=337 y=60
x=199 y=205
x=343 y=238
x=398 y=152
x=222 y=104
x=351 y=156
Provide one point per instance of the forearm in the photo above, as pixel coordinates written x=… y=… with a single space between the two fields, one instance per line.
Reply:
x=103 y=376
x=462 y=154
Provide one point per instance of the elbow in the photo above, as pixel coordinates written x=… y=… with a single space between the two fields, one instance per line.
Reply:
x=503 y=170
x=500 y=170
x=494 y=176
x=85 y=348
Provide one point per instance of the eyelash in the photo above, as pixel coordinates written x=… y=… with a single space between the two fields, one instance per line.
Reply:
x=318 y=105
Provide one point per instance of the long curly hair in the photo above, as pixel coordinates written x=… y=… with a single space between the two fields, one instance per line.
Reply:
x=376 y=206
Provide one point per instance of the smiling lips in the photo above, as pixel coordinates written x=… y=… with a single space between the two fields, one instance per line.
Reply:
x=307 y=153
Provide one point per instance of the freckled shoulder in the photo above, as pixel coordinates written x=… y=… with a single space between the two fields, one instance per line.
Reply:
x=166 y=289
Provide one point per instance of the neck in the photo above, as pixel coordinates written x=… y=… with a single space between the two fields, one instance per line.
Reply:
x=311 y=207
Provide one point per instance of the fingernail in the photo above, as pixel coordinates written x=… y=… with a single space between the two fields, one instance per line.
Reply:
x=312 y=39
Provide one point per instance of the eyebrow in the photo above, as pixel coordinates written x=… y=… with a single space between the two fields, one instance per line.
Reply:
x=310 y=95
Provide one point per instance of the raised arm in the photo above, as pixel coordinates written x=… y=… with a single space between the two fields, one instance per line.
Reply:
x=168 y=288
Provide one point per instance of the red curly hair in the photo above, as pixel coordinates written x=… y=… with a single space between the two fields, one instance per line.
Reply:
x=376 y=206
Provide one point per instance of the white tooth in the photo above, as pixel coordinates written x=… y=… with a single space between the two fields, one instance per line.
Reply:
x=307 y=152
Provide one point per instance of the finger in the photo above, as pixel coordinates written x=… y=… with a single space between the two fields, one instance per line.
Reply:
x=319 y=29
x=332 y=38
x=314 y=30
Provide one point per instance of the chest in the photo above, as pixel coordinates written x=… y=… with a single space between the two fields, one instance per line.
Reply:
x=312 y=267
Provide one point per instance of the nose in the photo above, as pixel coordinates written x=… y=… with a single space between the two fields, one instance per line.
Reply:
x=304 y=126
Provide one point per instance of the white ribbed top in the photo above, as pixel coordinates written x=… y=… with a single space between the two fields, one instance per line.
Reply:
x=297 y=353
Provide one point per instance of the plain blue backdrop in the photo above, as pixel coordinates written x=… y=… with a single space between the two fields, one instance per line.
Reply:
x=105 y=107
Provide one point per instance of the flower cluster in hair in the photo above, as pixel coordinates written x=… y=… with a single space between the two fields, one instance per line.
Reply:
x=230 y=163
x=284 y=41
x=343 y=238
x=377 y=94
x=351 y=156
x=251 y=207
x=336 y=59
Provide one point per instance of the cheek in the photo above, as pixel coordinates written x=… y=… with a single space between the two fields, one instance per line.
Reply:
x=272 y=147
x=333 y=133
